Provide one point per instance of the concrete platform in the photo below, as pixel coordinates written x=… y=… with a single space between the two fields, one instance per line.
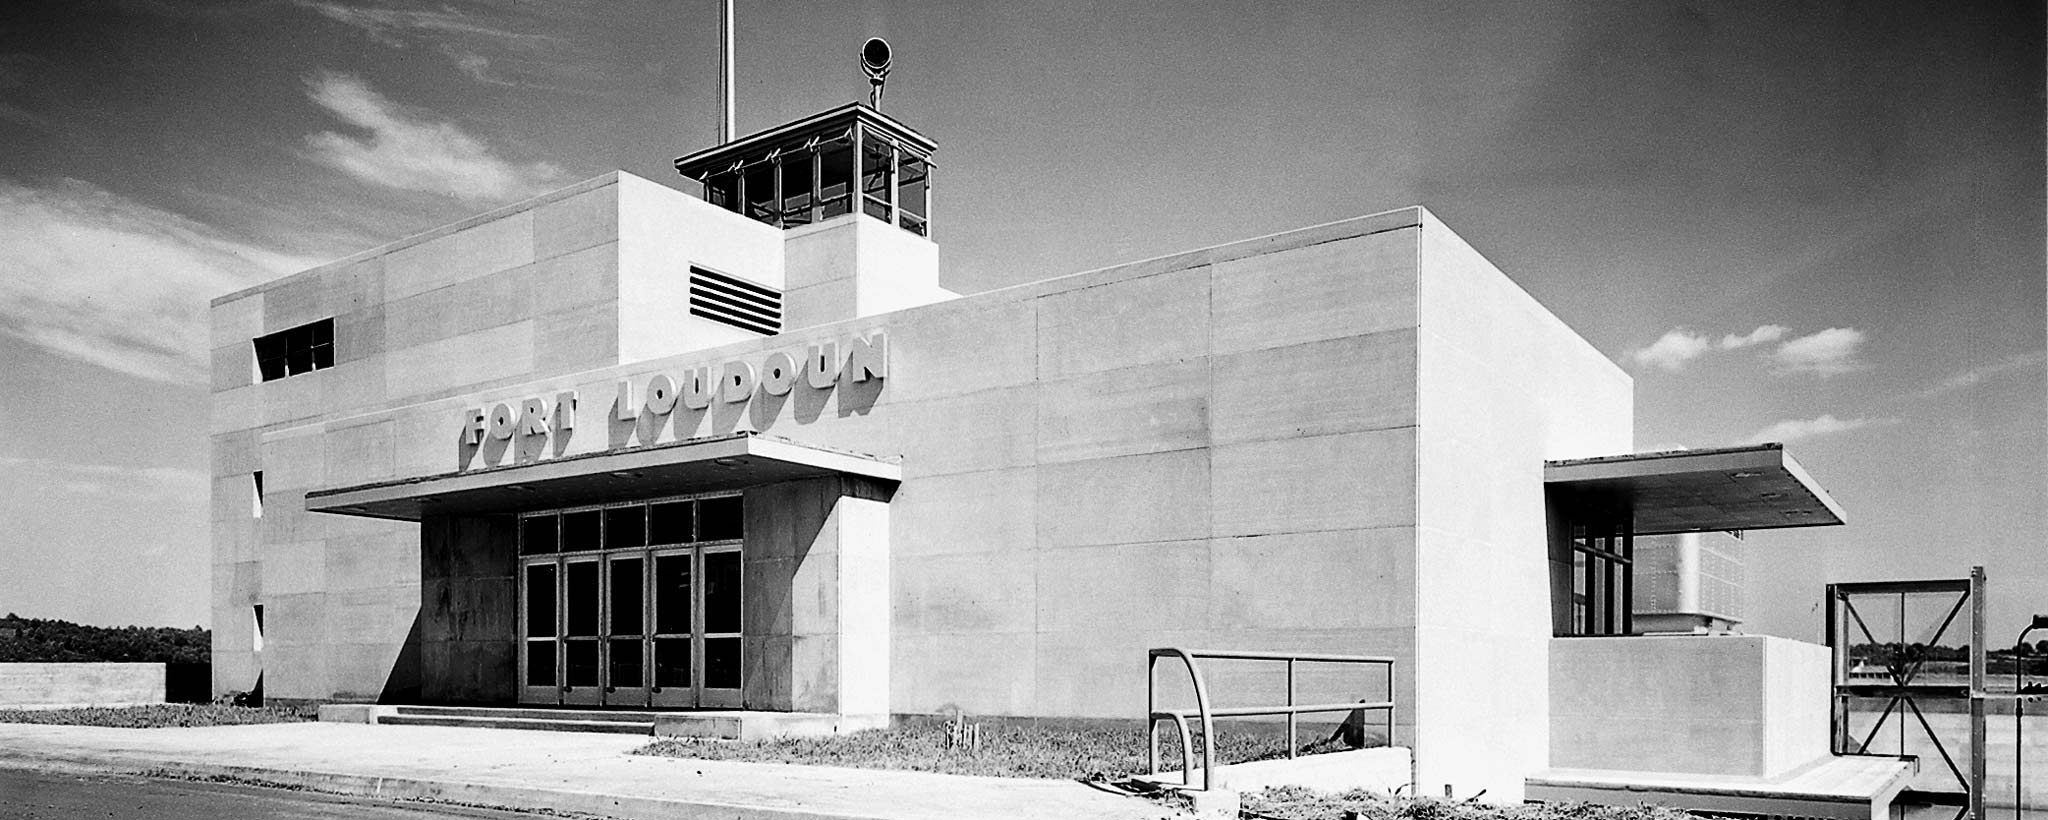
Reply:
x=1841 y=788
x=589 y=774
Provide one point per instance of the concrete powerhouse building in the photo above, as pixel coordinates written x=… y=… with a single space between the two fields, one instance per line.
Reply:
x=620 y=446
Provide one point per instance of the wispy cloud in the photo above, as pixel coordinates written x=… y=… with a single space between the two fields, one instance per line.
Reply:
x=464 y=38
x=1791 y=430
x=1761 y=335
x=1978 y=375
x=1830 y=352
x=1827 y=353
x=92 y=276
x=411 y=151
x=394 y=26
x=1678 y=346
x=1672 y=350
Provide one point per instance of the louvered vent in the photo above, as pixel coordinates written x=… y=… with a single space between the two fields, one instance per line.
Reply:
x=735 y=302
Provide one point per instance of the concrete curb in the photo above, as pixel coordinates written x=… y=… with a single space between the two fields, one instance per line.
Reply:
x=562 y=802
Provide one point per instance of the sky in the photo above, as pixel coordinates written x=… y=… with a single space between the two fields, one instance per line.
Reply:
x=1814 y=223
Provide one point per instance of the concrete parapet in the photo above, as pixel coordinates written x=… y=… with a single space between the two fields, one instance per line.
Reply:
x=60 y=685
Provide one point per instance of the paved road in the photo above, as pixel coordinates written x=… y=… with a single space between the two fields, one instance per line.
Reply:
x=31 y=795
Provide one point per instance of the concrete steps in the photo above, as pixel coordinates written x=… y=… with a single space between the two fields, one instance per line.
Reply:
x=707 y=724
x=549 y=720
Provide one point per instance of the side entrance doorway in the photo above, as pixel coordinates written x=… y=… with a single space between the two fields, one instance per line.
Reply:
x=633 y=604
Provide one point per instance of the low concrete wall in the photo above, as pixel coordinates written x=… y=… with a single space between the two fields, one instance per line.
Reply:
x=1749 y=705
x=54 y=685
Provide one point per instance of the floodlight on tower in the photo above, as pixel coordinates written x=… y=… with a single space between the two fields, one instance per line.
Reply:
x=874 y=60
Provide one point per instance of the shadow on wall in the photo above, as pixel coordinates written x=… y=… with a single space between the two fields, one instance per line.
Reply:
x=402 y=685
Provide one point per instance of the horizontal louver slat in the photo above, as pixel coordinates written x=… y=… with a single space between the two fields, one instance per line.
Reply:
x=735 y=302
x=723 y=297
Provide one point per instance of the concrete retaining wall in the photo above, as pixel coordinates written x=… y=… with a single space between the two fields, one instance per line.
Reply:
x=1749 y=705
x=52 y=685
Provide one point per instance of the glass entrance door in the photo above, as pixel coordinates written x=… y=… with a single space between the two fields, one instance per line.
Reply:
x=582 y=645
x=625 y=642
x=634 y=605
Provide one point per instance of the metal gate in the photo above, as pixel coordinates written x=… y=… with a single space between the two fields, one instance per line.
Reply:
x=1880 y=657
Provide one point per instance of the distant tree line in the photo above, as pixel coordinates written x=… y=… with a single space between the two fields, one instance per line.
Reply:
x=33 y=640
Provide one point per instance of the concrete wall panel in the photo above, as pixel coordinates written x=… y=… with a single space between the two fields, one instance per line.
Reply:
x=501 y=352
x=1124 y=323
x=983 y=512
x=1356 y=285
x=989 y=673
x=1156 y=586
x=1345 y=385
x=960 y=349
x=485 y=248
x=1347 y=481
x=972 y=593
x=235 y=321
x=981 y=431
x=1145 y=409
x=1152 y=497
x=576 y=223
x=1314 y=580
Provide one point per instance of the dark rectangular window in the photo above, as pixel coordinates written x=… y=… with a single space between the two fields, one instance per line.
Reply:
x=672 y=594
x=669 y=523
x=721 y=663
x=799 y=183
x=582 y=530
x=580 y=582
x=835 y=179
x=540 y=601
x=723 y=190
x=733 y=301
x=1603 y=593
x=758 y=187
x=877 y=176
x=722 y=592
x=625 y=527
x=912 y=188
x=721 y=519
x=537 y=535
x=302 y=349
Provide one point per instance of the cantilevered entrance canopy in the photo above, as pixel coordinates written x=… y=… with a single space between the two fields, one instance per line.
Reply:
x=1758 y=487
x=689 y=466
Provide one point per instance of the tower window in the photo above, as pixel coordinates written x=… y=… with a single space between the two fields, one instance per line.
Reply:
x=912 y=185
x=835 y=179
x=302 y=349
x=877 y=175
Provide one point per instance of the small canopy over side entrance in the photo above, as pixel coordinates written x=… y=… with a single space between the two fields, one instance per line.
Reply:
x=1599 y=506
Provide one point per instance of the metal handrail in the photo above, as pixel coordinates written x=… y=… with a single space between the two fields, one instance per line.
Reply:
x=1208 y=715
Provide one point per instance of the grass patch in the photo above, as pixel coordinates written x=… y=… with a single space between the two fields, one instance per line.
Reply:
x=1007 y=750
x=1296 y=803
x=157 y=716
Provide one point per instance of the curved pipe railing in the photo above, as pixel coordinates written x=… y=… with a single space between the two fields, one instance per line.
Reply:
x=1208 y=715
